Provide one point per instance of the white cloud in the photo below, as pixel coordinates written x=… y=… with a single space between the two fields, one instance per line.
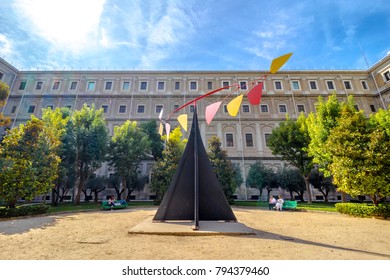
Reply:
x=70 y=25
x=5 y=46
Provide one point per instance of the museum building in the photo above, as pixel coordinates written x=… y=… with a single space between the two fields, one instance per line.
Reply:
x=140 y=95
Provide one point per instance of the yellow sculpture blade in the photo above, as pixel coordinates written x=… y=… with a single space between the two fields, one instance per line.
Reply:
x=279 y=62
x=183 y=121
x=234 y=106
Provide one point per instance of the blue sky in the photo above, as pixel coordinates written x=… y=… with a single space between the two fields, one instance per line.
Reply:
x=193 y=35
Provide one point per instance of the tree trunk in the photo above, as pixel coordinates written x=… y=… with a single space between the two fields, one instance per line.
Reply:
x=308 y=189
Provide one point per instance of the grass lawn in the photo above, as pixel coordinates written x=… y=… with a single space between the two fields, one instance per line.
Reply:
x=86 y=206
x=320 y=206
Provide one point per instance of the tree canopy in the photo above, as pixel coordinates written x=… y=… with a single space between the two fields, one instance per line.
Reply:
x=291 y=140
x=228 y=176
x=360 y=150
x=92 y=138
x=261 y=177
x=28 y=162
x=128 y=146
x=165 y=168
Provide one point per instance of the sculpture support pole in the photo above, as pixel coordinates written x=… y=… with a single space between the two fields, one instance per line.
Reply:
x=196 y=181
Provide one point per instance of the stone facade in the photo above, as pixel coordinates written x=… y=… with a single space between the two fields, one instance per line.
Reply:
x=140 y=95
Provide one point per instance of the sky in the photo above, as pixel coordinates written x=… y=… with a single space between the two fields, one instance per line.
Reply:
x=193 y=35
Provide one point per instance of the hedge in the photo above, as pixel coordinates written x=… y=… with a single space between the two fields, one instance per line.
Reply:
x=364 y=210
x=24 y=210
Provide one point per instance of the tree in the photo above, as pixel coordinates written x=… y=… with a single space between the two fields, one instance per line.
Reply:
x=91 y=136
x=321 y=183
x=4 y=92
x=261 y=177
x=59 y=122
x=157 y=145
x=360 y=150
x=291 y=140
x=28 y=162
x=136 y=182
x=128 y=146
x=165 y=168
x=223 y=168
x=95 y=185
x=319 y=126
x=291 y=180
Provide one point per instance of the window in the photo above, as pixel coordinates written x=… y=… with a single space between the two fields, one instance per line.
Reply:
x=22 y=85
x=56 y=85
x=193 y=85
x=356 y=107
x=105 y=109
x=295 y=85
x=347 y=85
x=108 y=86
x=177 y=85
x=31 y=109
x=229 y=140
x=143 y=85
x=266 y=137
x=301 y=108
x=278 y=85
x=175 y=107
x=1 y=76
x=264 y=108
x=262 y=83
x=313 y=85
x=209 y=85
x=330 y=85
x=159 y=108
x=364 y=85
x=245 y=108
x=91 y=86
x=122 y=109
x=73 y=86
x=373 y=109
x=243 y=85
x=160 y=85
x=225 y=83
x=282 y=108
x=126 y=86
x=192 y=108
x=13 y=110
x=50 y=106
x=39 y=85
x=386 y=76
x=249 y=139
x=141 y=109
x=225 y=110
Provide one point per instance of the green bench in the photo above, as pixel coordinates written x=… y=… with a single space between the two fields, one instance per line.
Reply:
x=289 y=205
x=118 y=204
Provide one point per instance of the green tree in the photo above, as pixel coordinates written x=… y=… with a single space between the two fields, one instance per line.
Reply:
x=4 y=92
x=92 y=138
x=321 y=183
x=165 y=168
x=360 y=150
x=128 y=146
x=95 y=185
x=261 y=177
x=223 y=168
x=291 y=140
x=28 y=162
x=60 y=123
x=157 y=145
x=291 y=180
x=319 y=126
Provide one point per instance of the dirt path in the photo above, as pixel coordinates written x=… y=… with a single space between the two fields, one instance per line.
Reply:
x=279 y=235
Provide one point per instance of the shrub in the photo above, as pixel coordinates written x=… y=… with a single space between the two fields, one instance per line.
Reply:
x=24 y=210
x=363 y=210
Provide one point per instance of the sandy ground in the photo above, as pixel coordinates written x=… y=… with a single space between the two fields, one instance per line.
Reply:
x=279 y=236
